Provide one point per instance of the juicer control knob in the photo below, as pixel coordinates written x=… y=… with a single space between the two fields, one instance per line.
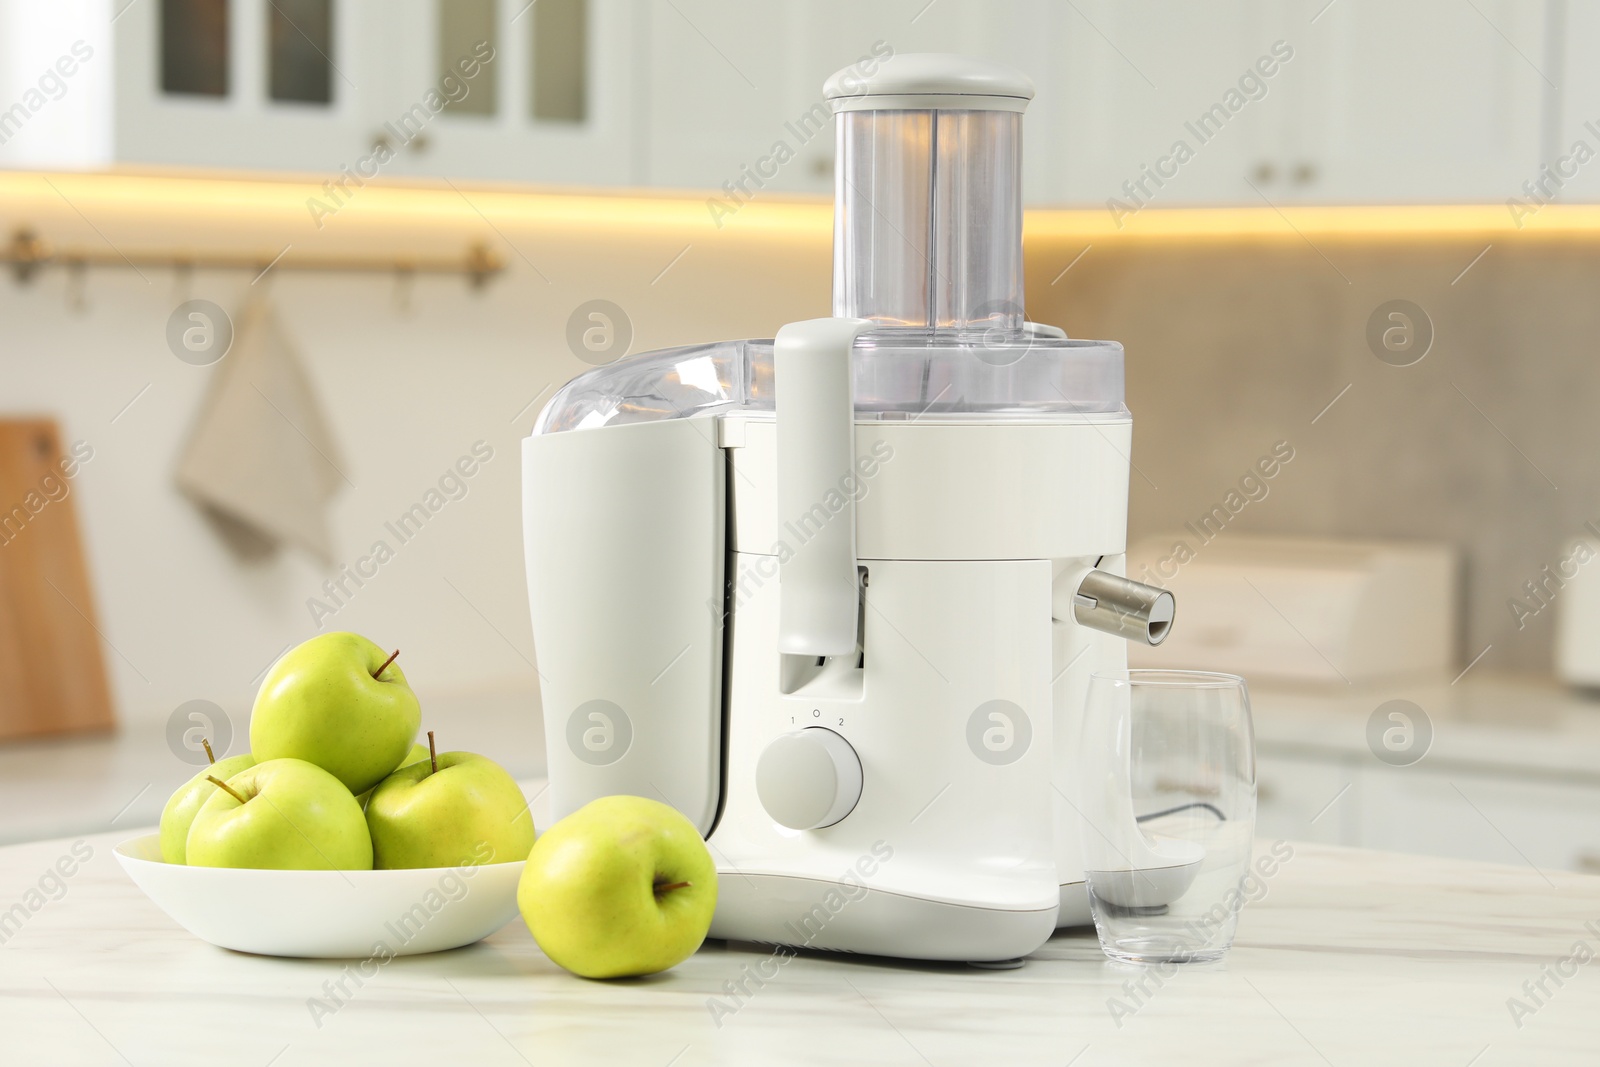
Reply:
x=809 y=779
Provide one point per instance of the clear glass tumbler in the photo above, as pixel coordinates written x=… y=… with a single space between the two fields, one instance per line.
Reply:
x=1167 y=794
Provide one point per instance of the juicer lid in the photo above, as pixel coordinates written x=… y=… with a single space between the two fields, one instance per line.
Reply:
x=900 y=375
x=920 y=81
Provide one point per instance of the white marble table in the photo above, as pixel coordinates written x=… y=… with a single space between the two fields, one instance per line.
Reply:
x=1350 y=958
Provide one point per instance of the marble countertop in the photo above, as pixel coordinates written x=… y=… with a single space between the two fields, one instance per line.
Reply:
x=1506 y=724
x=1350 y=957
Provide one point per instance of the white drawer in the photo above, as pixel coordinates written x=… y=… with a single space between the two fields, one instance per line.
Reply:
x=1469 y=815
x=1295 y=799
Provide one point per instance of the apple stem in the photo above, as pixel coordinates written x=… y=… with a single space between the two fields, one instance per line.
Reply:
x=220 y=784
x=675 y=885
x=379 y=672
x=210 y=756
x=433 y=754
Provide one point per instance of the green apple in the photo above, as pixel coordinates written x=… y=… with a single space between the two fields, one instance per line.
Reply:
x=333 y=702
x=184 y=804
x=469 y=811
x=281 y=814
x=622 y=886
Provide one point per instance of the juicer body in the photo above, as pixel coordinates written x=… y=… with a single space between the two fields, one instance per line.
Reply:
x=653 y=560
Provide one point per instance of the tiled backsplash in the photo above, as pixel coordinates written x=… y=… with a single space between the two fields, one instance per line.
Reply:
x=1489 y=442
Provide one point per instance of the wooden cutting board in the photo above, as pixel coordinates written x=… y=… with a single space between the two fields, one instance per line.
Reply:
x=52 y=674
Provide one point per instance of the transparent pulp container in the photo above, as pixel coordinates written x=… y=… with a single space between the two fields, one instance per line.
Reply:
x=927 y=246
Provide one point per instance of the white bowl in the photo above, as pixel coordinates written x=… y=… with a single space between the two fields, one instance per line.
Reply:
x=327 y=914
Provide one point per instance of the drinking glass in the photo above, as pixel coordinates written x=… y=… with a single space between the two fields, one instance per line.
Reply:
x=1167 y=794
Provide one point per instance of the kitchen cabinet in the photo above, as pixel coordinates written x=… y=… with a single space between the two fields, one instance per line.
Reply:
x=1510 y=772
x=576 y=128
x=720 y=84
x=1471 y=815
x=1307 y=799
x=1460 y=813
x=1574 y=114
x=55 y=85
x=1424 y=101
x=727 y=85
x=1430 y=100
x=1354 y=101
x=1142 y=78
x=323 y=86
x=1433 y=101
x=188 y=97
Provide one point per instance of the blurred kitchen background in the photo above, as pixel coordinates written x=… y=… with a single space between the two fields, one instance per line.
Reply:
x=281 y=271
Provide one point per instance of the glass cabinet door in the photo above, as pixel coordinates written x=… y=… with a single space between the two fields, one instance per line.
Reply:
x=479 y=89
x=540 y=92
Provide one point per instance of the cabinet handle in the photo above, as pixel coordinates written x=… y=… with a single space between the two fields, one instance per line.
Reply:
x=381 y=141
x=1305 y=174
x=1265 y=792
x=1265 y=173
x=1587 y=861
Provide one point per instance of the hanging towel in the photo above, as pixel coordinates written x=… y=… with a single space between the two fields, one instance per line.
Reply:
x=261 y=462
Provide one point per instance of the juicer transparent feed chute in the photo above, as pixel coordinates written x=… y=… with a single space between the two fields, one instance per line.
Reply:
x=929 y=210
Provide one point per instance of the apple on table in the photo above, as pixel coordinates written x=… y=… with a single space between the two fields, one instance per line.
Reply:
x=623 y=886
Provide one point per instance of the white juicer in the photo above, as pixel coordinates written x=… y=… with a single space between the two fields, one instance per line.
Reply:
x=837 y=596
